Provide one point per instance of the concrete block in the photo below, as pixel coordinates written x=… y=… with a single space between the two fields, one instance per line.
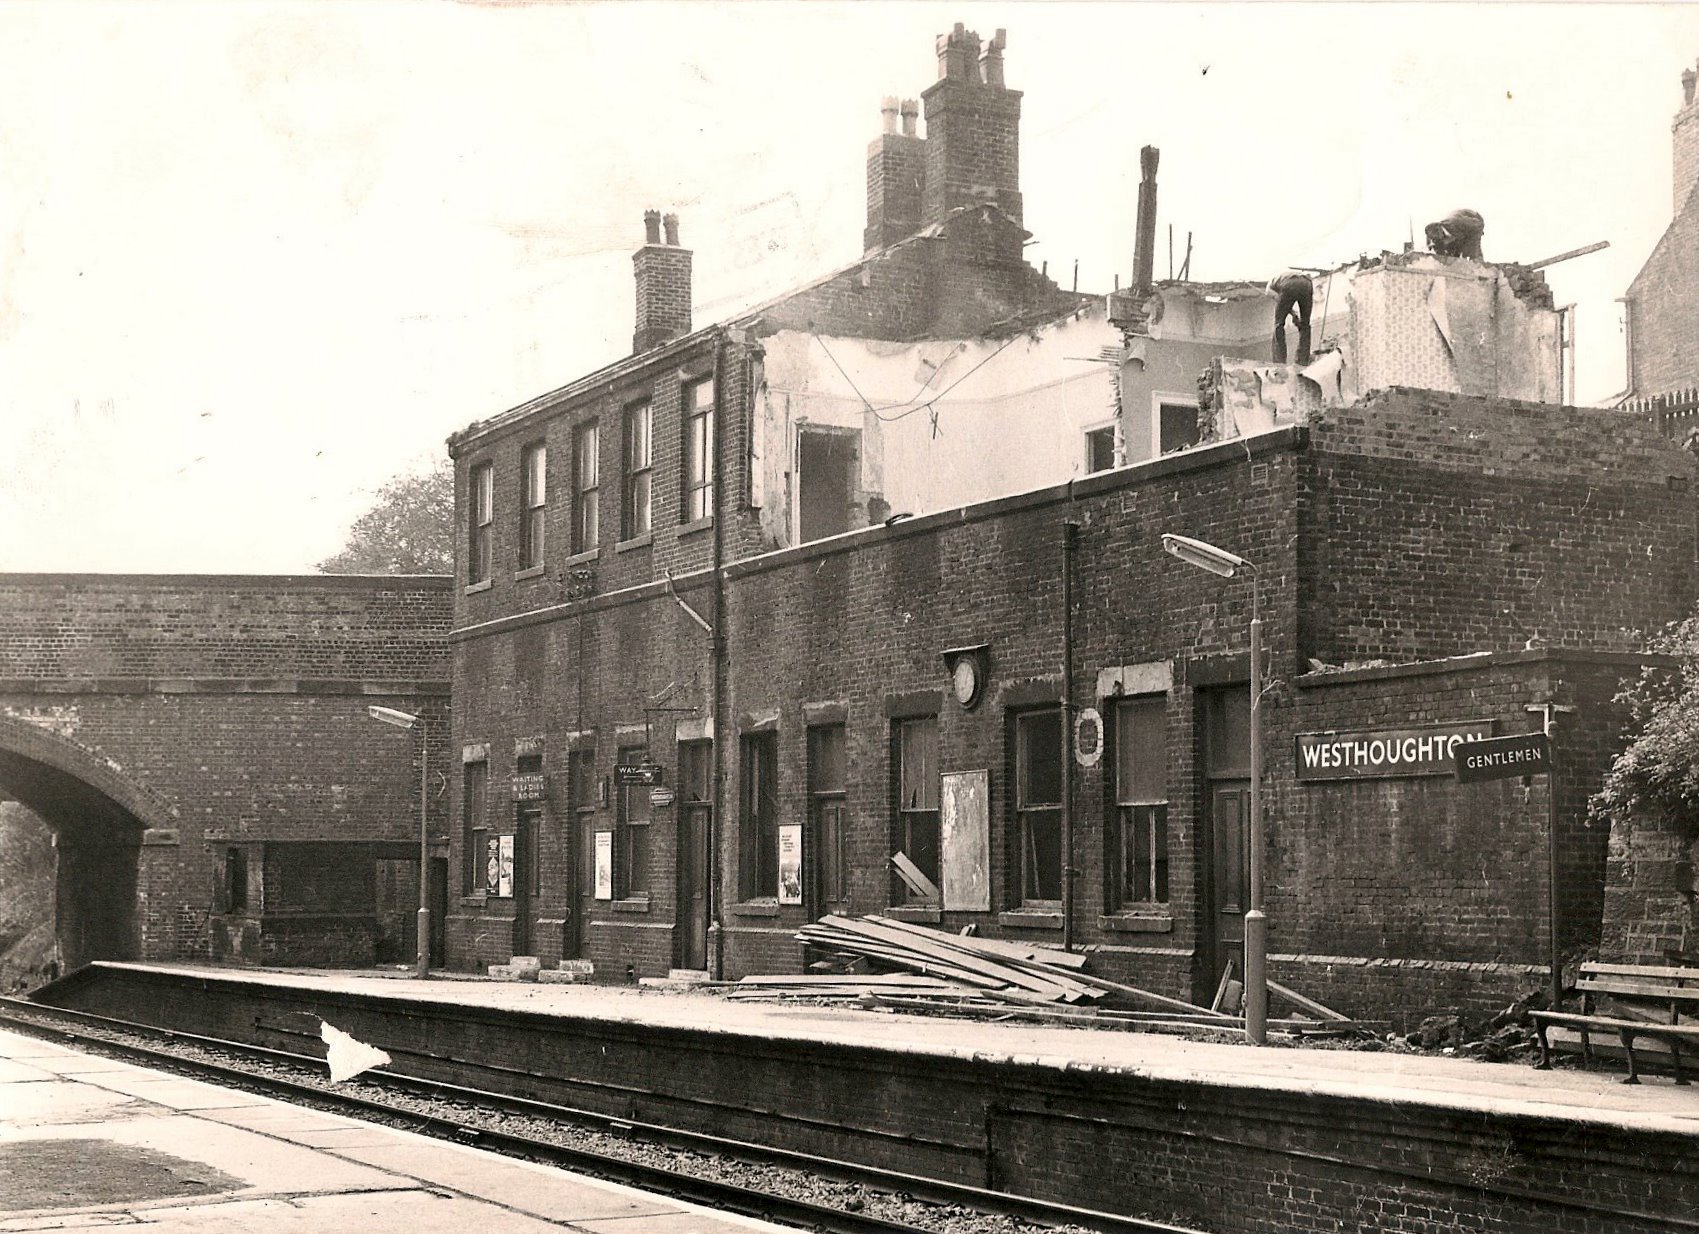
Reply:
x=579 y=968
x=553 y=976
x=525 y=967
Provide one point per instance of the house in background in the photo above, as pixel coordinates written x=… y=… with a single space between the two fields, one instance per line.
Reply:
x=1663 y=300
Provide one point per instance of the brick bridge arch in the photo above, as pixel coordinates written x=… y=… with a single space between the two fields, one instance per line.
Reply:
x=199 y=745
x=98 y=816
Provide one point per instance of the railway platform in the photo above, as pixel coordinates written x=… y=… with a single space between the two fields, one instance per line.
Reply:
x=1586 y=1097
x=89 y=1142
x=1211 y=1135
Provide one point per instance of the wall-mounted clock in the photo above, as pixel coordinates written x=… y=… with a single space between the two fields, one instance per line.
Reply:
x=966 y=666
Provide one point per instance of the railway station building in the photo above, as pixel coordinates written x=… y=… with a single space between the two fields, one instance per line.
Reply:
x=856 y=602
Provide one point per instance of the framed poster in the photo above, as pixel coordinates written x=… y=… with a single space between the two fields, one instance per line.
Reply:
x=604 y=865
x=504 y=866
x=492 y=865
x=790 y=864
x=964 y=819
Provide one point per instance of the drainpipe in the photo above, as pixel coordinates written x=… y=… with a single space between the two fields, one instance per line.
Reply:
x=716 y=924
x=1070 y=532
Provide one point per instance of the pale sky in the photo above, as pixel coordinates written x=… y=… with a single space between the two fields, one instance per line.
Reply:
x=256 y=259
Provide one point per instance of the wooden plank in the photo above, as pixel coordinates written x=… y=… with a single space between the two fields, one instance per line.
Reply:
x=1308 y=1004
x=1639 y=970
x=1008 y=974
x=999 y=947
x=1158 y=1000
x=1664 y=993
x=823 y=979
x=915 y=877
x=900 y=957
x=967 y=945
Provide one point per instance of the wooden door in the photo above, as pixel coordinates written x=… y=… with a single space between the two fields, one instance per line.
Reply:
x=1229 y=882
x=691 y=935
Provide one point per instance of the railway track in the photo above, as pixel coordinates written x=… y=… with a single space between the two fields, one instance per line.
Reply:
x=684 y=1164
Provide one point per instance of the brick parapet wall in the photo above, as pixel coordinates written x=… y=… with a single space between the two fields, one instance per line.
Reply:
x=1663 y=324
x=1438 y=525
x=273 y=627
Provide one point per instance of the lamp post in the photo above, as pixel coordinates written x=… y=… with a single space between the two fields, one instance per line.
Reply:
x=402 y=719
x=1226 y=565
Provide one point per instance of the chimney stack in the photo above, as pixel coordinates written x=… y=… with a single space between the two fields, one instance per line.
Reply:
x=662 y=272
x=973 y=126
x=1144 y=248
x=1685 y=133
x=896 y=171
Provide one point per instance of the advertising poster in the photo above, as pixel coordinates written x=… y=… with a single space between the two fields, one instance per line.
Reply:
x=492 y=865
x=604 y=865
x=504 y=866
x=790 y=864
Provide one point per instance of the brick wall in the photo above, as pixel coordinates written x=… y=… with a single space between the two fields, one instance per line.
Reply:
x=166 y=717
x=1439 y=525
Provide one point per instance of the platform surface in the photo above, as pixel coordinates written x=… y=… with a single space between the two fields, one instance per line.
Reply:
x=92 y=1143
x=1657 y=1104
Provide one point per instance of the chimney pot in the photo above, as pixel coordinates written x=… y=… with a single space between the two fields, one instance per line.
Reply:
x=911 y=113
x=991 y=59
x=888 y=113
x=670 y=222
x=651 y=226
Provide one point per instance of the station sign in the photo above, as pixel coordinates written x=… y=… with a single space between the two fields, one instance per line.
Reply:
x=1525 y=754
x=660 y=795
x=638 y=773
x=1422 y=750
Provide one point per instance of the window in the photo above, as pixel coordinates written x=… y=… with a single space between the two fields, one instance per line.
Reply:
x=1176 y=426
x=631 y=859
x=638 y=459
x=474 y=825
x=829 y=816
x=585 y=444
x=533 y=497
x=917 y=800
x=1138 y=858
x=583 y=789
x=480 y=513
x=1038 y=804
x=1100 y=448
x=698 y=451
x=759 y=837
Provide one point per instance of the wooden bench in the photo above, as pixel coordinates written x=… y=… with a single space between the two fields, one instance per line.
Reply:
x=1641 y=992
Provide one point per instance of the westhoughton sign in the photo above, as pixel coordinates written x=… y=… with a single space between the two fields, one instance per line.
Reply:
x=1422 y=750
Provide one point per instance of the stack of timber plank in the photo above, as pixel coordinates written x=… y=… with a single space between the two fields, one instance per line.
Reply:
x=931 y=972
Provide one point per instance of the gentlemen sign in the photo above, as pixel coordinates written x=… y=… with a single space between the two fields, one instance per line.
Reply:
x=1426 y=750
x=1525 y=754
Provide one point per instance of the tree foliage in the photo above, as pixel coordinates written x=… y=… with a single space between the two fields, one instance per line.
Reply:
x=408 y=530
x=1658 y=774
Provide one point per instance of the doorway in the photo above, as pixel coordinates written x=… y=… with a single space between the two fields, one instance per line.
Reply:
x=527 y=875
x=826 y=481
x=1226 y=872
x=825 y=874
x=695 y=810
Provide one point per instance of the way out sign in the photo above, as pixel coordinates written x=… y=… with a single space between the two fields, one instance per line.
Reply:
x=1497 y=758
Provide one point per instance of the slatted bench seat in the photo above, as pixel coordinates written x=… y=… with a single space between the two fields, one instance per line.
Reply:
x=1640 y=992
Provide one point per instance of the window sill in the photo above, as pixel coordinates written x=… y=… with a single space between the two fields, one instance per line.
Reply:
x=695 y=525
x=642 y=541
x=578 y=559
x=475 y=900
x=924 y=913
x=1134 y=923
x=473 y=589
x=755 y=908
x=1031 y=919
x=634 y=904
x=528 y=572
